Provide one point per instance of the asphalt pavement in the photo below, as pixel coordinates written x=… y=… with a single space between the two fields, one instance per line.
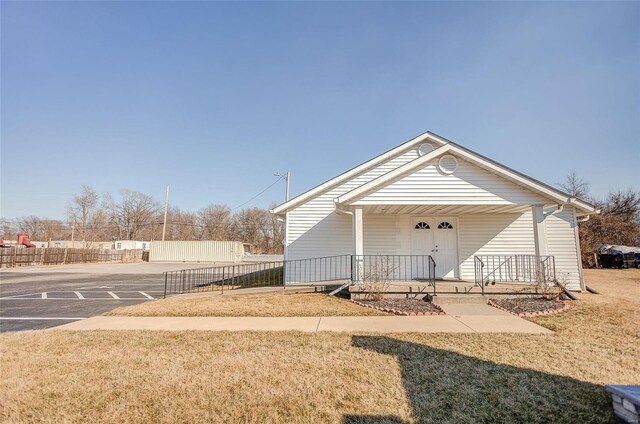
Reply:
x=43 y=297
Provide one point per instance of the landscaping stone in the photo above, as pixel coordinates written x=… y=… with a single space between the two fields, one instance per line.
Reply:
x=408 y=307
x=529 y=306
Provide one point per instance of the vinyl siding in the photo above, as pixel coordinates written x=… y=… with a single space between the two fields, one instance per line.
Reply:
x=468 y=185
x=561 y=243
x=494 y=234
x=315 y=228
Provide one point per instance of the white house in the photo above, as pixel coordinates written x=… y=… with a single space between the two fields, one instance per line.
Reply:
x=473 y=218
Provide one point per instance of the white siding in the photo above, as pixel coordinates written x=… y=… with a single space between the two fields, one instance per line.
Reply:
x=561 y=243
x=315 y=229
x=494 y=234
x=468 y=185
x=479 y=234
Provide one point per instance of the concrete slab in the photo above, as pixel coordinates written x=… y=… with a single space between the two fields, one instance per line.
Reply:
x=501 y=324
x=473 y=309
x=306 y=324
x=378 y=324
x=394 y=324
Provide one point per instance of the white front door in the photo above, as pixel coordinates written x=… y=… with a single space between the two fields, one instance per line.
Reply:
x=438 y=237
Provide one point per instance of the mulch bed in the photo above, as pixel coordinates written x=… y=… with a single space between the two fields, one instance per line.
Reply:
x=402 y=306
x=529 y=306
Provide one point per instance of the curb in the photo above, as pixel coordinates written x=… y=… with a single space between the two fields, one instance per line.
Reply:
x=531 y=314
x=397 y=312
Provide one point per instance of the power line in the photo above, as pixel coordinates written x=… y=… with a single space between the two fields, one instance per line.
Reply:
x=257 y=195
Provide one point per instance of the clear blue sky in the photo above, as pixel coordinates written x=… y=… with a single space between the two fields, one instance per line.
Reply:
x=213 y=98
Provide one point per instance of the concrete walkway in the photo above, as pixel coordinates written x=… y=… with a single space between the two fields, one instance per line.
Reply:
x=496 y=323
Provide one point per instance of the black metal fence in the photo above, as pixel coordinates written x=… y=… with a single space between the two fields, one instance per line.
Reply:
x=341 y=268
x=223 y=278
x=318 y=270
x=396 y=267
x=490 y=269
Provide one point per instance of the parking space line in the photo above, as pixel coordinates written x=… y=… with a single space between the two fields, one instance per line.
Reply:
x=80 y=296
x=146 y=295
x=73 y=299
x=39 y=318
x=112 y=294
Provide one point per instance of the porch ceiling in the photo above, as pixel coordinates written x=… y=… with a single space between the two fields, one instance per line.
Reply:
x=443 y=209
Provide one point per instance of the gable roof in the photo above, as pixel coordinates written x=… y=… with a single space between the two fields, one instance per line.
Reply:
x=355 y=171
x=445 y=146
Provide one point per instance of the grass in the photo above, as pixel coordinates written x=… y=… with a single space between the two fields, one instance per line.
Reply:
x=163 y=377
x=267 y=305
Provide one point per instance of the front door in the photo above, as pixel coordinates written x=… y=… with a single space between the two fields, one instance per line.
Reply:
x=438 y=237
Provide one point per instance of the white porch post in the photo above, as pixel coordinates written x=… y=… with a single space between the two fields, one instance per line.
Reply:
x=358 y=245
x=540 y=239
x=539 y=233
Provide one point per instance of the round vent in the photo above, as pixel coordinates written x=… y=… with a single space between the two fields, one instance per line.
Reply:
x=424 y=149
x=448 y=164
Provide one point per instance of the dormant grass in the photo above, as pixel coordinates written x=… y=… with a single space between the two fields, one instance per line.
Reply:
x=267 y=305
x=194 y=377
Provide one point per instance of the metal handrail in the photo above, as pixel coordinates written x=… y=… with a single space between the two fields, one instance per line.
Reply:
x=514 y=268
x=347 y=268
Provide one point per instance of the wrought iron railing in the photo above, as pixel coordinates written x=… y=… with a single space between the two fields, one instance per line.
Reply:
x=318 y=270
x=342 y=268
x=490 y=269
x=383 y=268
x=223 y=278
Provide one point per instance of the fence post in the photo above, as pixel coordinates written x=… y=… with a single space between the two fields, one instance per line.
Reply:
x=165 y=285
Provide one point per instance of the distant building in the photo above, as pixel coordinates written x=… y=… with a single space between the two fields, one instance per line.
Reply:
x=131 y=245
x=76 y=244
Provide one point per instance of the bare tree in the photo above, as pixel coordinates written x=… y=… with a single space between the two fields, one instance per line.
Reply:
x=277 y=233
x=618 y=223
x=8 y=229
x=42 y=229
x=81 y=211
x=215 y=222
x=133 y=214
x=182 y=225
x=249 y=227
x=575 y=186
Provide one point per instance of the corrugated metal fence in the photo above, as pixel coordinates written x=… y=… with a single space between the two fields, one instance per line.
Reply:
x=196 y=251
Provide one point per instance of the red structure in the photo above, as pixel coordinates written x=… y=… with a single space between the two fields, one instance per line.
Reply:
x=23 y=239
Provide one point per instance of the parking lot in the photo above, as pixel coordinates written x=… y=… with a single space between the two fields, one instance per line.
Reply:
x=42 y=297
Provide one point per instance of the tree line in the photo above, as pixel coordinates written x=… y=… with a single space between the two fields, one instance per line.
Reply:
x=138 y=216
x=134 y=215
x=617 y=223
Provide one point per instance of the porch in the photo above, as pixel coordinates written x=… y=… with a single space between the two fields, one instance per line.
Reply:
x=415 y=276
x=458 y=238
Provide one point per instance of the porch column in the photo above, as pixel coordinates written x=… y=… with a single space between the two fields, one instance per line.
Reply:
x=539 y=233
x=358 y=245
x=540 y=240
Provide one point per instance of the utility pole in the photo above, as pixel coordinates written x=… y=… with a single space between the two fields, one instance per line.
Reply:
x=166 y=207
x=73 y=230
x=288 y=178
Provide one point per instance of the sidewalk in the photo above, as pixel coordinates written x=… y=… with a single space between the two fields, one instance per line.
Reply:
x=378 y=324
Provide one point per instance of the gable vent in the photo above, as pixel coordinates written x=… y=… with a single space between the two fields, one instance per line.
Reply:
x=448 y=164
x=424 y=149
